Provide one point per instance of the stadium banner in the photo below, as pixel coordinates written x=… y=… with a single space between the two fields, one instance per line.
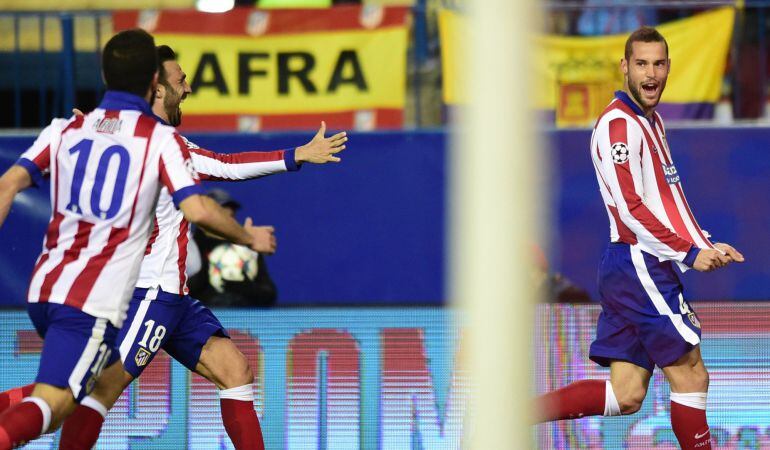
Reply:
x=382 y=379
x=580 y=73
x=343 y=379
x=267 y=69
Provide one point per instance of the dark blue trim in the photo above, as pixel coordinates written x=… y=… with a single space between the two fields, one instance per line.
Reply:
x=623 y=97
x=32 y=168
x=141 y=293
x=689 y=260
x=185 y=192
x=291 y=163
x=118 y=100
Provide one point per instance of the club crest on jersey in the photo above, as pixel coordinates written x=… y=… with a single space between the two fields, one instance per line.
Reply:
x=672 y=176
x=619 y=153
x=694 y=319
x=142 y=357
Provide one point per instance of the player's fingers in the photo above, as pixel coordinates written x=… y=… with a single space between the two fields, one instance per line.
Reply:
x=247 y=222
x=339 y=136
x=336 y=149
x=735 y=254
x=321 y=130
x=77 y=112
x=333 y=159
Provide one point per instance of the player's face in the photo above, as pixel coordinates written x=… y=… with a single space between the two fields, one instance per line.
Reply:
x=177 y=89
x=646 y=72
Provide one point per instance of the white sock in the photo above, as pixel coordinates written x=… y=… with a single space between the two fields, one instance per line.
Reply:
x=691 y=399
x=44 y=408
x=90 y=402
x=244 y=393
x=611 y=406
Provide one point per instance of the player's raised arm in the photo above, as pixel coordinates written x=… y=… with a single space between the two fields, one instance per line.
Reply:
x=619 y=147
x=249 y=165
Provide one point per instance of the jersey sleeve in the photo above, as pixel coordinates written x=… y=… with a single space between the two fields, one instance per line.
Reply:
x=37 y=158
x=241 y=166
x=620 y=153
x=177 y=172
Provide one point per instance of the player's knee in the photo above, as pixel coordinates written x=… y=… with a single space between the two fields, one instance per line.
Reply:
x=238 y=373
x=631 y=401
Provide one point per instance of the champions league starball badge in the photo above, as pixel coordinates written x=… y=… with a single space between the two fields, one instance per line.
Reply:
x=619 y=153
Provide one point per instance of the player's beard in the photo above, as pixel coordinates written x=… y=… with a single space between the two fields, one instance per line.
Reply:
x=171 y=103
x=646 y=104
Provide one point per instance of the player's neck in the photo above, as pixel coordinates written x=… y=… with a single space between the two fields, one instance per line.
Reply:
x=648 y=112
x=161 y=112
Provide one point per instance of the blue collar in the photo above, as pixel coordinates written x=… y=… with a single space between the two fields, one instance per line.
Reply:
x=623 y=97
x=119 y=100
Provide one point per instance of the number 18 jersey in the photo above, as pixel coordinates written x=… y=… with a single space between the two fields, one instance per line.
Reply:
x=106 y=169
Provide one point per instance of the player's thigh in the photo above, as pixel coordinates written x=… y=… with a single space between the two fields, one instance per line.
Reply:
x=223 y=364
x=150 y=323
x=688 y=373
x=202 y=344
x=113 y=381
x=629 y=382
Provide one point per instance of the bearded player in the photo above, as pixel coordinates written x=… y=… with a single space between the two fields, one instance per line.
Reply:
x=645 y=320
x=161 y=315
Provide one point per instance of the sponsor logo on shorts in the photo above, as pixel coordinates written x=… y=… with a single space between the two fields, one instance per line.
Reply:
x=694 y=319
x=143 y=356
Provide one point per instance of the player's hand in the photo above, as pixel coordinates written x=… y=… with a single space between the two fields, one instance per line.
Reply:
x=263 y=239
x=321 y=150
x=710 y=259
x=728 y=250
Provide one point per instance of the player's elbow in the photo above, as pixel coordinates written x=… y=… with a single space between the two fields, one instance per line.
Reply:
x=195 y=210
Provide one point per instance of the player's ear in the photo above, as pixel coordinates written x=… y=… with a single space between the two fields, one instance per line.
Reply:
x=624 y=66
x=160 y=91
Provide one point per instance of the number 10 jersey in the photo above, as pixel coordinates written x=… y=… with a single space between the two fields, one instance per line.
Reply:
x=106 y=169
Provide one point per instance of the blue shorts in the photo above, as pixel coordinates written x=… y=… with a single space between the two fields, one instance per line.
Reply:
x=645 y=319
x=76 y=346
x=178 y=324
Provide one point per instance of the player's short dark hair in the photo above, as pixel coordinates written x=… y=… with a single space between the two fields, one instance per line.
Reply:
x=165 y=53
x=644 y=34
x=129 y=62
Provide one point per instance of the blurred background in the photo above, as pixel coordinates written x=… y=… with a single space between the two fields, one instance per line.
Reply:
x=355 y=345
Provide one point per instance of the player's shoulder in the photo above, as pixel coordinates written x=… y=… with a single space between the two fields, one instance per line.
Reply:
x=616 y=111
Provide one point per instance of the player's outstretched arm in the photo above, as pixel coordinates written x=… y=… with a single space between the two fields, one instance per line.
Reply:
x=321 y=150
x=12 y=182
x=207 y=214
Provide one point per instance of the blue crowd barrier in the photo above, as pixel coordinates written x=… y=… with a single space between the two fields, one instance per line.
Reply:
x=371 y=230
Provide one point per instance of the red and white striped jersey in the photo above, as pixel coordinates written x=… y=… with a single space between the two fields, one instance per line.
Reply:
x=106 y=171
x=165 y=259
x=640 y=186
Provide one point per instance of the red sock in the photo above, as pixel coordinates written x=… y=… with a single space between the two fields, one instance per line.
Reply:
x=14 y=396
x=21 y=423
x=241 y=424
x=81 y=429
x=688 y=419
x=573 y=401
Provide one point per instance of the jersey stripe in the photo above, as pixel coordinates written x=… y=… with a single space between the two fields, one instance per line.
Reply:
x=664 y=189
x=181 y=242
x=144 y=128
x=153 y=236
x=70 y=255
x=51 y=240
x=84 y=283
